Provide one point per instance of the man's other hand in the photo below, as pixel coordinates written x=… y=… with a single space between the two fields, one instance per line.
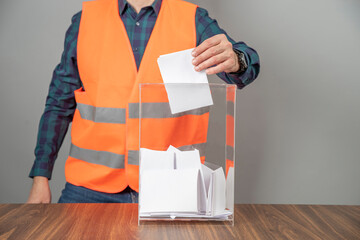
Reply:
x=216 y=55
x=40 y=191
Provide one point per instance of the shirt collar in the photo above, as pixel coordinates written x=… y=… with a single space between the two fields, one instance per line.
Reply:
x=123 y=5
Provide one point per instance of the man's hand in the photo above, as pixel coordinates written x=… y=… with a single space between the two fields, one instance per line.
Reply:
x=216 y=51
x=40 y=191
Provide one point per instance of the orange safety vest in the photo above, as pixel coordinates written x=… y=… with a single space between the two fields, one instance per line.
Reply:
x=104 y=154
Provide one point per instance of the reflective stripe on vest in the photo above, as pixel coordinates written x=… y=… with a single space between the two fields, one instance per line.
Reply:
x=230 y=152
x=118 y=115
x=101 y=114
x=160 y=110
x=230 y=108
x=109 y=159
x=114 y=160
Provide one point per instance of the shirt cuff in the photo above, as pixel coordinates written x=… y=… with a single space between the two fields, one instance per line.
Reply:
x=40 y=168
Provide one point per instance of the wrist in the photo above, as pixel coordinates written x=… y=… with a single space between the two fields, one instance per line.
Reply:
x=40 y=179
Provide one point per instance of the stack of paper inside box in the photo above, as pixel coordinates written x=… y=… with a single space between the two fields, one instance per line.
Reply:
x=175 y=184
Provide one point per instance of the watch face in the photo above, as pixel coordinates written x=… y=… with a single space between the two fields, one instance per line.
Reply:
x=242 y=62
x=242 y=58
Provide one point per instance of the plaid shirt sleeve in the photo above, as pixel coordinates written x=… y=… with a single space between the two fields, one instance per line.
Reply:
x=60 y=105
x=207 y=27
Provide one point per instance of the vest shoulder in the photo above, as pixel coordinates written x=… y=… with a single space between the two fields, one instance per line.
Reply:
x=98 y=6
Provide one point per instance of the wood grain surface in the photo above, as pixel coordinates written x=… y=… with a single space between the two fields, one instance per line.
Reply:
x=119 y=221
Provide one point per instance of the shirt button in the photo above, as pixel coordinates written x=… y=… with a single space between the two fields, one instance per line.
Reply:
x=137 y=24
x=135 y=49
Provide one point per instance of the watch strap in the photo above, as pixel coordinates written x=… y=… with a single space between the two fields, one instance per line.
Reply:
x=242 y=62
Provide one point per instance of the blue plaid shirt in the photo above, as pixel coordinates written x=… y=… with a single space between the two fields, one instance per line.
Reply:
x=60 y=103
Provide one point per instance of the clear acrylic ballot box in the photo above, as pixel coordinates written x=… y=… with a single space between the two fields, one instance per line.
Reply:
x=187 y=152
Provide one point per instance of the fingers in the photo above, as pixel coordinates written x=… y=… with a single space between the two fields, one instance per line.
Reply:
x=215 y=54
x=208 y=43
x=210 y=58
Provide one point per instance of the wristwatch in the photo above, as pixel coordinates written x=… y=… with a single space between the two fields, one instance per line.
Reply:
x=242 y=62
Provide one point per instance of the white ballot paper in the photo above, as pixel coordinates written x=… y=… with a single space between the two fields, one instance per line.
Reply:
x=175 y=184
x=169 y=190
x=156 y=159
x=178 y=68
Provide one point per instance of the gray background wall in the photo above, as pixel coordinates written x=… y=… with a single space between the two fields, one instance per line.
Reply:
x=298 y=132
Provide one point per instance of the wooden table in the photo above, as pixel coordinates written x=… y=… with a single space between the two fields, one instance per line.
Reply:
x=119 y=221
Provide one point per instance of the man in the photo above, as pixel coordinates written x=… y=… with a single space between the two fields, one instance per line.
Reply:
x=108 y=51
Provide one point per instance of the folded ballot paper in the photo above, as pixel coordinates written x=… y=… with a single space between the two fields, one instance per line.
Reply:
x=178 y=68
x=175 y=184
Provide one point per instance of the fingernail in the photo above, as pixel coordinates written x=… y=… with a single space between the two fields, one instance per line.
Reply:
x=193 y=53
x=194 y=61
x=197 y=68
